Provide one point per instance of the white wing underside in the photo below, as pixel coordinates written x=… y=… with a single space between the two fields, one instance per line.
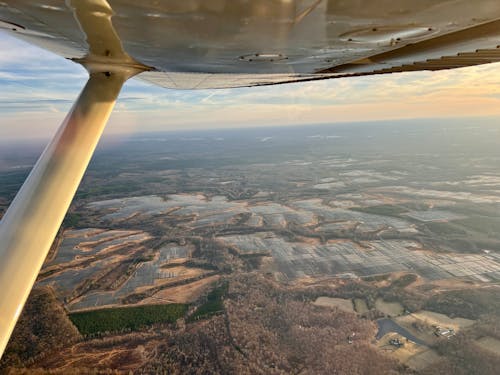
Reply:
x=195 y=44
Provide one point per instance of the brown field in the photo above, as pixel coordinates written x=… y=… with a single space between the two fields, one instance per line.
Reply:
x=422 y=359
x=389 y=308
x=182 y=294
x=360 y=306
x=123 y=353
x=489 y=343
x=433 y=318
x=340 y=303
x=183 y=273
x=414 y=356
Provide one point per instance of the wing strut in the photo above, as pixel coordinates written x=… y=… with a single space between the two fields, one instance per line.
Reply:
x=29 y=226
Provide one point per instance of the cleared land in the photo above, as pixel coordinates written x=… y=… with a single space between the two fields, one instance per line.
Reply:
x=413 y=355
x=340 y=303
x=360 y=305
x=423 y=359
x=389 y=308
x=489 y=343
x=433 y=318
x=182 y=293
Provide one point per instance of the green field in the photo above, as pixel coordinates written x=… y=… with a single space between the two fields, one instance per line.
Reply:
x=117 y=319
x=213 y=305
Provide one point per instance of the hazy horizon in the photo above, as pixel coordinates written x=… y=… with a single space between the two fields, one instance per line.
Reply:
x=107 y=137
x=38 y=89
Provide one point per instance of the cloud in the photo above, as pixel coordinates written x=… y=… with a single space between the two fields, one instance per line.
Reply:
x=37 y=88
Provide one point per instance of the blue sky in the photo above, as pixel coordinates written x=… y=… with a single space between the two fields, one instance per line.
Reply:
x=37 y=88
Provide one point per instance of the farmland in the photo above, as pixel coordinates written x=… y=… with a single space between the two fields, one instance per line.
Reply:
x=224 y=251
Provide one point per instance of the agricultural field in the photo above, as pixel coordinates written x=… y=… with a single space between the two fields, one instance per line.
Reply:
x=340 y=303
x=489 y=343
x=246 y=251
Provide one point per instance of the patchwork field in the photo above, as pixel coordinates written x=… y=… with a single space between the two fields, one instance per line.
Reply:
x=295 y=259
x=96 y=268
x=301 y=250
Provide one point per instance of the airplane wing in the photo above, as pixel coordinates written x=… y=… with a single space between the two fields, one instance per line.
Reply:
x=197 y=44
x=191 y=44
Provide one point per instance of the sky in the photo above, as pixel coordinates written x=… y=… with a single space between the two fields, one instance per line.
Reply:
x=37 y=88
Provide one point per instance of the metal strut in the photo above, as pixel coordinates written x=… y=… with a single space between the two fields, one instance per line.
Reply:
x=30 y=225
